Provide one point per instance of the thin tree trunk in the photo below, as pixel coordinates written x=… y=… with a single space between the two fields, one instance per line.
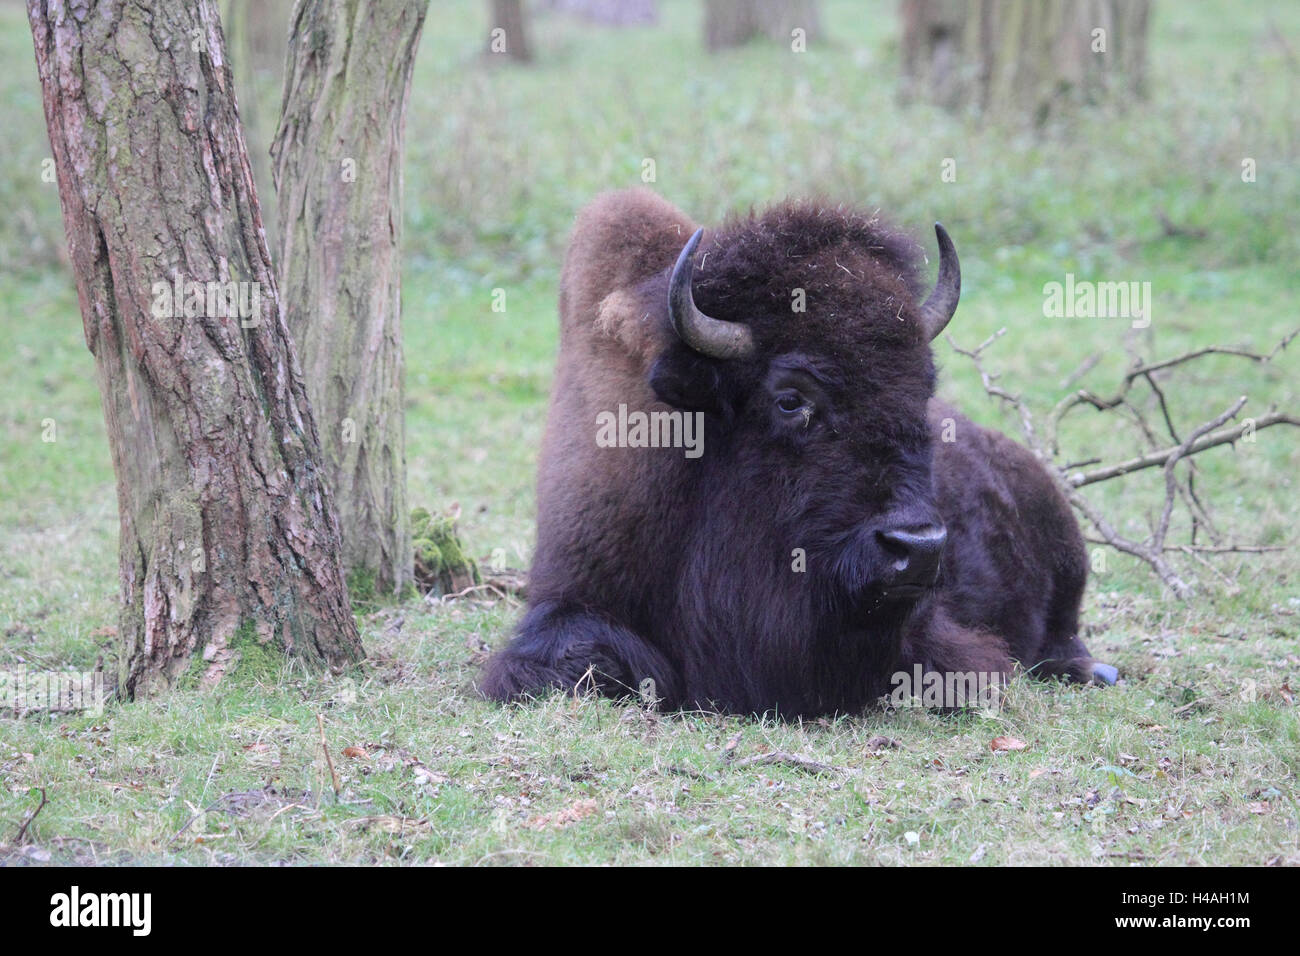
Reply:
x=508 y=31
x=229 y=542
x=257 y=32
x=609 y=13
x=338 y=173
x=1028 y=57
x=729 y=23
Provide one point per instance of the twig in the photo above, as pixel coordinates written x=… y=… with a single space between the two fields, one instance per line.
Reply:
x=797 y=761
x=1140 y=370
x=1213 y=549
x=1155 y=559
x=1158 y=458
x=1086 y=366
x=1207 y=435
x=208 y=782
x=22 y=830
x=329 y=761
x=448 y=598
x=507 y=584
x=1181 y=452
x=1026 y=418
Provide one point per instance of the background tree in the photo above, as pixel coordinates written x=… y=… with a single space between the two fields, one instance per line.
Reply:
x=610 y=13
x=729 y=23
x=228 y=536
x=256 y=33
x=1027 y=56
x=508 y=31
x=338 y=173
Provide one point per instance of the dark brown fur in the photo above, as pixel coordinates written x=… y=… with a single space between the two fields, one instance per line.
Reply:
x=653 y=565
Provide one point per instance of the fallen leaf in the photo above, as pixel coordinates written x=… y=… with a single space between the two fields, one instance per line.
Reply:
x=1007 y=743
x=1259 y=807
x=423 y=775
x=563 y=818
x=356 y=753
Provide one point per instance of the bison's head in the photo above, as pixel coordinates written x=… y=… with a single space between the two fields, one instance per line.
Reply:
x=803 y=337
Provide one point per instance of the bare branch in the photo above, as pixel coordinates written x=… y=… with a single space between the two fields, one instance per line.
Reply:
x=1181 y=452
x=1140 y=370
x=1155 y=559
x=1206 y=435
x=1158 y=458
x=1212 y=549
x=1143 y=370
x=990 y=386
x=22 y=830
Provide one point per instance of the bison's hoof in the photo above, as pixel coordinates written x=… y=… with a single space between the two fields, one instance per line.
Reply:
x=1104 y=674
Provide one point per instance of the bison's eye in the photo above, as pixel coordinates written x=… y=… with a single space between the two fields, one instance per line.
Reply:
x=793 y=405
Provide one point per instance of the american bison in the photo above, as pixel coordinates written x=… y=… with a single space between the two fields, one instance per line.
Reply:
x=835 y=525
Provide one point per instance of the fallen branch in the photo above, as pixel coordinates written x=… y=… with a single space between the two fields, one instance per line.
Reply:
x=1157 y=458
x=1213 y=549
x=1145 y=371
x=22 y=830
x=1069 y=479
x=797 y=761
x=329 y=761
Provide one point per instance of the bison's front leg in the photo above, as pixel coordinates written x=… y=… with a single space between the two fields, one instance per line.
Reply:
x=940 y=645
x=567 y=647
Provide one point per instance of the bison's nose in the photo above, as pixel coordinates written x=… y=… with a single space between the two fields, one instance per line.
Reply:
x=913 y=554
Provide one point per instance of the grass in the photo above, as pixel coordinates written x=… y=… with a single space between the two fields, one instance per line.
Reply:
x=1192 y=760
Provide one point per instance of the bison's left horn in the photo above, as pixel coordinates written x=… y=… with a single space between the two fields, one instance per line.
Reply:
x=937 y=310
x=708 y=336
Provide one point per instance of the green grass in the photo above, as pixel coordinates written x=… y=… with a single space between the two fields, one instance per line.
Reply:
x=1192 y=760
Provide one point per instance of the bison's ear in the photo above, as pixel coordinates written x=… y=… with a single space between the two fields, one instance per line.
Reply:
x=683 y=378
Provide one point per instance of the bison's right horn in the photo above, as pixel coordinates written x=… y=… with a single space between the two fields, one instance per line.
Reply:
x=937 y=310
x=708 y=336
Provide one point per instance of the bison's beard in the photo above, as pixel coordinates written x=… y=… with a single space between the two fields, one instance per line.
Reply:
x=824 y=641
x=755 y=631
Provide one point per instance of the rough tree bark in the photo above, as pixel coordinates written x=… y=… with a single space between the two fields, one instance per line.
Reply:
x=228 y=537
x=338 y=173
x=1026 y=56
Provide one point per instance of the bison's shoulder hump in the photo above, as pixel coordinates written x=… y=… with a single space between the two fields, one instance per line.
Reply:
x=620 y=239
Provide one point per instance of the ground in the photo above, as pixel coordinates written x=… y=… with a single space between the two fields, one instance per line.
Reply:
x=1192 y=759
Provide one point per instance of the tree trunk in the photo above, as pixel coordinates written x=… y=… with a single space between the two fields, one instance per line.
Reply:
x=229 y=543
x=508 y=31
x=338 y=172
x=257 y=32
x=729 y=23
x=608 y=13
x=778 y=19
x=1024 y=56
